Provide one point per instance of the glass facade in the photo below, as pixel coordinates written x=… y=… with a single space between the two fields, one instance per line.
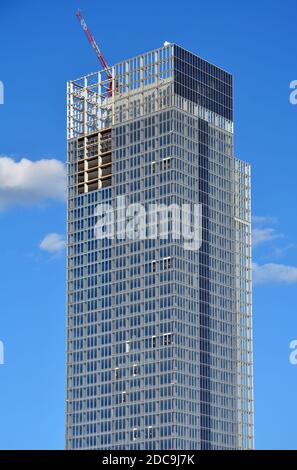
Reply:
x=159 y=338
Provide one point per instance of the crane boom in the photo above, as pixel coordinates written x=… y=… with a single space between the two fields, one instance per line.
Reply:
x=93 y=42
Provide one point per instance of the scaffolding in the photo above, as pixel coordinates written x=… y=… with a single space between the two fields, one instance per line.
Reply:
x=96 y=103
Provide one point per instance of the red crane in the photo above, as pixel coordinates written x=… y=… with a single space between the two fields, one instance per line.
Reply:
x=96 y=48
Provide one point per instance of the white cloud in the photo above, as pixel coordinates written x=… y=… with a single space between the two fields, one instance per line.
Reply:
x=264 y=235
x=271 y=273
x=264 y=220
x=29 y=182
x=53 y=243
x=281 y=251
x=262 y=230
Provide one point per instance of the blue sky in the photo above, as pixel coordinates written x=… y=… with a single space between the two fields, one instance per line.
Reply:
x=42 y=46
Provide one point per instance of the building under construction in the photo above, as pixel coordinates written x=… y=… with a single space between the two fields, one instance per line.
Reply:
x=159 y=338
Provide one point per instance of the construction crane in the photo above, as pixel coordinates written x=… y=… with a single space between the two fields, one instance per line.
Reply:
x=96 y=48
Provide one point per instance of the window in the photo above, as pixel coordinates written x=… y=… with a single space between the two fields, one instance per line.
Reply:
x=154 y=342
x=166 y=163
x=166 y=263
x=136 y=369
x=167 y=339
x=149 y=433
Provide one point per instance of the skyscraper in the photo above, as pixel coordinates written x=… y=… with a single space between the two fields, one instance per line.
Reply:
x=159 y=337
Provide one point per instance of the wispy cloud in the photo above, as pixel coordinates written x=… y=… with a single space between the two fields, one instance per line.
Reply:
x=263 y=232
x=271 y=273
x=53 y=243
x=281 y=251
x=264 y=235
x=263 y=220
x=30 y=182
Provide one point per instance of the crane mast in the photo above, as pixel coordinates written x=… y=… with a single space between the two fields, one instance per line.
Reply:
x=95 y=47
